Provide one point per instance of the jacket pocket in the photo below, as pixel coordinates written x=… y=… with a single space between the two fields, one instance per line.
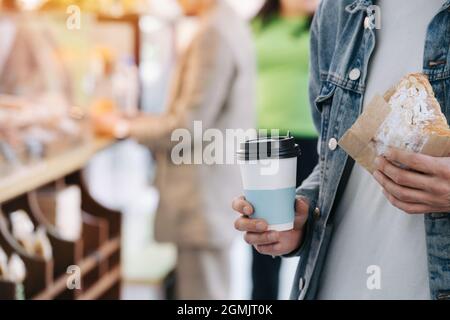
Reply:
x=325 y=96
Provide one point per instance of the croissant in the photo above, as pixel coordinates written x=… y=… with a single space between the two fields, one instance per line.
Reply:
x=407 y=117
x=415 y=116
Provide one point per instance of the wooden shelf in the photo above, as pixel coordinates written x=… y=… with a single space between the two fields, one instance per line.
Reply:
x=97 y=252
x=33 y=176
x=106 y=282
x=86 y=265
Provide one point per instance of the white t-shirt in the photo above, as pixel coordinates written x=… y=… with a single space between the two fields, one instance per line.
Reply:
x=378 y=251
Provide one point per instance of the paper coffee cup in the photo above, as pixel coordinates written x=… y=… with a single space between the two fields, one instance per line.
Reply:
x=269 y=170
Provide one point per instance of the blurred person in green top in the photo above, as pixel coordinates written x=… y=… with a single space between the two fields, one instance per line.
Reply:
x=281 y=32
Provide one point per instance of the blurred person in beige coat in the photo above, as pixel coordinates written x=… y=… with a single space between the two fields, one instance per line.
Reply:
x=214 y=83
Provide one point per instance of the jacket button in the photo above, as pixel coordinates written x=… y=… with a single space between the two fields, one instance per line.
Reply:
x=301 y=284
x=367 y=23
x=316 y=213
x=332 y=144
x=354 y=74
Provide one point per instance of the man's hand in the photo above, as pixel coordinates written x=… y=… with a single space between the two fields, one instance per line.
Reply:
x=270 y=242
x=424 y=187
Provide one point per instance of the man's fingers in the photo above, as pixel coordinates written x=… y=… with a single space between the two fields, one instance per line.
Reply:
x=265 y=238
x=401 y=193
x=411 y=208
x=250 y=225
x=270 y=249
x=242 y=206
x=415 y=161
x=404 y=177
x=301 y=205
x=300 y=221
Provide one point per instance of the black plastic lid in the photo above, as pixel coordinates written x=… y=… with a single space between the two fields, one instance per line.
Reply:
x=269 y=148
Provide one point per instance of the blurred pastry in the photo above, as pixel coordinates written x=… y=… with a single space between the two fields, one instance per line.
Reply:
x=34 y=242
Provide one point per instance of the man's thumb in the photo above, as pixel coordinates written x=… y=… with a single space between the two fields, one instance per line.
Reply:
x=301 y=206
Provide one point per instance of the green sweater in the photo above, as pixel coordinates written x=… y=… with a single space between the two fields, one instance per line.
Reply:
x=283 y=66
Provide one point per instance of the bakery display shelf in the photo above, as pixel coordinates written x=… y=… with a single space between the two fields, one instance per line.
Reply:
x=101 y=288
x=8 y=290
x=33 y=176
x=86 y=265
x=39 y=270
x=97 y=252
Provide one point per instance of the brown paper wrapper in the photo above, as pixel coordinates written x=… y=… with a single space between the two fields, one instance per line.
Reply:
x=359 y=142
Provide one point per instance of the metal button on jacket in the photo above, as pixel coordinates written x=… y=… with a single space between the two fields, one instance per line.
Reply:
x=354 y=74
x=316 y=213
x=332 y=144
x=367 y=23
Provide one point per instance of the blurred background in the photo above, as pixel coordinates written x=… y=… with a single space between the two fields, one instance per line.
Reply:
x=70 y=197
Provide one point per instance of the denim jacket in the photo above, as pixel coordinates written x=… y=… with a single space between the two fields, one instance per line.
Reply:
x=341 y=46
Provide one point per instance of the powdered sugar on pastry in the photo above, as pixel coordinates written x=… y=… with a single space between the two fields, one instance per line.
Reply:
x=412 y=113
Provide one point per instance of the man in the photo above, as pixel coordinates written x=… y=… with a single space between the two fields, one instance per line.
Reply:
x=213 y=84
x=385 y=236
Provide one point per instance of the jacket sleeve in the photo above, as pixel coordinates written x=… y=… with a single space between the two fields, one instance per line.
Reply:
x=205 y=81
x=310 y=187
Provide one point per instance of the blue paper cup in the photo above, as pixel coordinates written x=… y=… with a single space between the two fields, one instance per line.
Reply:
x=269 y=170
